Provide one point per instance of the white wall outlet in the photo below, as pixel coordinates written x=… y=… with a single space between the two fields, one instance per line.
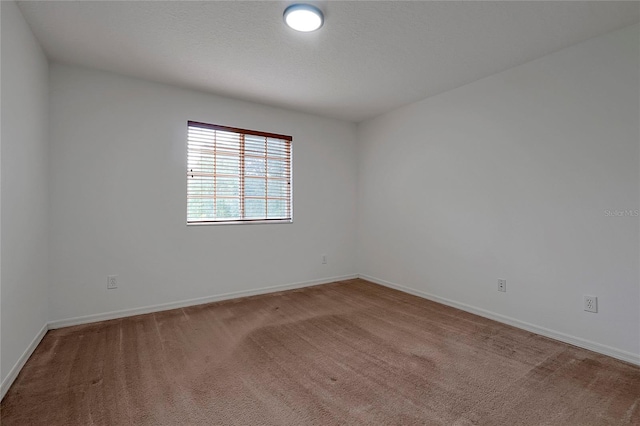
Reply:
x=502 y=285
x=112 y=281
x=324 y=259
x=591 y=304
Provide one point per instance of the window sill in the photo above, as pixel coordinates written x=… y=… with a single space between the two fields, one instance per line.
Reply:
x=242 y=222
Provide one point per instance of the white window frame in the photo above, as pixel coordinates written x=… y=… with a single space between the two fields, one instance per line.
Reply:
x=282 y=144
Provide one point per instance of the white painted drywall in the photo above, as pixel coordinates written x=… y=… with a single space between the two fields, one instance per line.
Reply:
x=118 y=198
x=24 y=178
x=511 y=177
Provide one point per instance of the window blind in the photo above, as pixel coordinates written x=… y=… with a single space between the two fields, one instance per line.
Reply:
x=237 y=175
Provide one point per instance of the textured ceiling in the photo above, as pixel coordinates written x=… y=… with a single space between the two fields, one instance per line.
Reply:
x=369 y=58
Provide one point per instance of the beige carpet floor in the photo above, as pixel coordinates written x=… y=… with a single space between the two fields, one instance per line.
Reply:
x=350 y=352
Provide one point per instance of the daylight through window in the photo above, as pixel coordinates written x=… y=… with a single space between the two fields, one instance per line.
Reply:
x=236 y=175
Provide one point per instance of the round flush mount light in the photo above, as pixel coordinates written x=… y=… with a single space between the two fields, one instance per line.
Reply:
x=303 y=17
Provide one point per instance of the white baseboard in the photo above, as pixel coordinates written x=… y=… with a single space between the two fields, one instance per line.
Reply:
x=191 y=302
x=576 y=341
x=8 y=381
x=566 y=338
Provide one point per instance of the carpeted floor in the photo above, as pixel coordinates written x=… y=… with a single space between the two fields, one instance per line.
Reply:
x=344 y=353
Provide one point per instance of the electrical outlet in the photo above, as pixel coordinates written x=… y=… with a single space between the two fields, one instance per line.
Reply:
x=112 y=281
x=502 y=285
x=324 y=259
x=591 y=304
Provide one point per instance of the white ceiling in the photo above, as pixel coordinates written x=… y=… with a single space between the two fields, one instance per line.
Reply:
x=369 y=58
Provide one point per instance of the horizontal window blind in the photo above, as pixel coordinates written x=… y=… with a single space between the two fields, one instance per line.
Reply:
x=237 y=175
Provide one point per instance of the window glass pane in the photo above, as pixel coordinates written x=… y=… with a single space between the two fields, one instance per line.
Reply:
x=200 y=208
x=199 y=138
x=227 y=187
x=277 y=188
x=277 y=168
x=227 y=165
x=276 y=208
x=254 y=145
x=254 y=187
x=277 y=148
x=197 y=185
x=227 y=142
x=255 y=208
x=201 y=163
x=228 y=208
x=254 y=166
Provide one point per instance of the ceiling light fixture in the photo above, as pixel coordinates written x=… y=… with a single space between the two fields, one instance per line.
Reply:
x=303 y=17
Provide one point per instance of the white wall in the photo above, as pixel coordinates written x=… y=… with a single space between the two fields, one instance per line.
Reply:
x=118 y=191
x=23 y=180
x=509 y=177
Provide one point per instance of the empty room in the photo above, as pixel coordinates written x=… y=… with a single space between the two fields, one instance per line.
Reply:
x=320 y=213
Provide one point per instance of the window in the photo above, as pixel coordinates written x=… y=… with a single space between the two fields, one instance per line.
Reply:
x=236 y=175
